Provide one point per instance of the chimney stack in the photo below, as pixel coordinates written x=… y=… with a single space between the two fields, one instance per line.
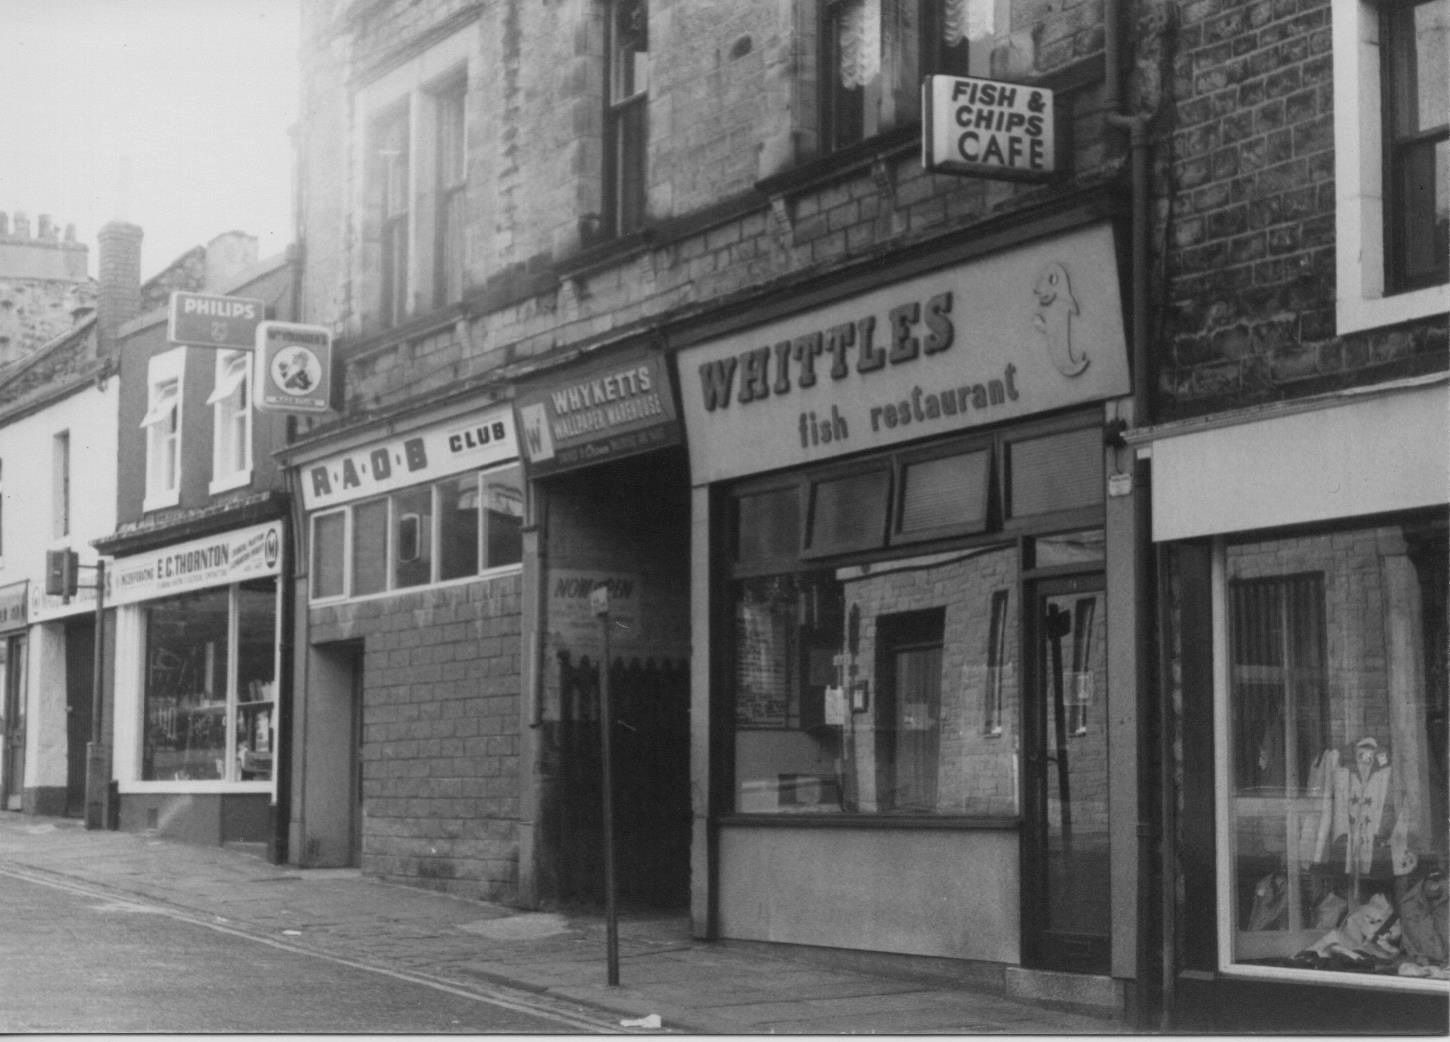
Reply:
x=119 y=292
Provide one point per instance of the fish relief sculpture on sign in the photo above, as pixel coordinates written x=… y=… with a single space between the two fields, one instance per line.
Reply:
x=1053 y=316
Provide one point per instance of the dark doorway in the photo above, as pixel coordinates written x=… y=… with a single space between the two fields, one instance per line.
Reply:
x=80 y=652
x=1066 y=870
x=651 y=758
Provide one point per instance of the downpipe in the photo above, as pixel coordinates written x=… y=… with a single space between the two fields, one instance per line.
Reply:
x=1154 y=789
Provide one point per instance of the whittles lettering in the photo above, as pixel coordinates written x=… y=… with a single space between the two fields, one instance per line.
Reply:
x=910 y=331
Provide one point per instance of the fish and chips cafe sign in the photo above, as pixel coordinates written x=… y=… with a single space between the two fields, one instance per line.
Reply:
x=228 y=557
x=1015 y=333
x=603 y=412
x=468 y=443
x=985 y=128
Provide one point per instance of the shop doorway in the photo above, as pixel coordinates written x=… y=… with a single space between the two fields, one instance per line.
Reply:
x=1066 y=909
x=80 y=651
x=331 y=757
x=12 y=672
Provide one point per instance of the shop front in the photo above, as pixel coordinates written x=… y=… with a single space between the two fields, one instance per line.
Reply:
x=1305 y=548
x=409 y=605
x=197 y=700
x=13 y=686
x=610 y=518
x=913 y=638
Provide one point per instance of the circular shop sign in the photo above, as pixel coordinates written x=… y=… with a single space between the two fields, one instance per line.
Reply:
x=296 y=370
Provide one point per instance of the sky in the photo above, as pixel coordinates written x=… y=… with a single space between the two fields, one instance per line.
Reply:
x=171 y=114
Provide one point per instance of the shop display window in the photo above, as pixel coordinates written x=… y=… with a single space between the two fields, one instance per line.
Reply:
x=210 y=684
x=455 y=528
x=1335 y=751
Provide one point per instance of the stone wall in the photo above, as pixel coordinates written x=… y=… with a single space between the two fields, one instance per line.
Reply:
x=43 y=283
x=440 y=736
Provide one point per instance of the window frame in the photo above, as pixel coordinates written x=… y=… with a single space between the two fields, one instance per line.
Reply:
x=404 y=250
x=231 y=420
x=1224 y=777
x=430 y=538
x=163 y=436
x=1363 y=297
x=625 y=188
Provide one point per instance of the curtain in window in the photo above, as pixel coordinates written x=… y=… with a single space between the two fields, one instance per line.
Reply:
x=859 y=42
x=966 y=20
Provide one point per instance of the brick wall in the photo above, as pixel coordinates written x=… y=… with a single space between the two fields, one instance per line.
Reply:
x=440 y=733
x=1249 y=258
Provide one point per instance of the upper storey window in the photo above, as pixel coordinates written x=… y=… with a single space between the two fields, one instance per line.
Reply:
x=1417 y=143
x=625 y=117
x=1392 y=161
x=231 y=464
x=415 y=162
x=162 y=424
x=874 y=53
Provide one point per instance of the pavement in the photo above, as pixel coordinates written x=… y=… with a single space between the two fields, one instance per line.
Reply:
x=551 y=960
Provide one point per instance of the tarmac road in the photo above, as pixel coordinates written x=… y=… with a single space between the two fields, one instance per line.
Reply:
x=78 y=961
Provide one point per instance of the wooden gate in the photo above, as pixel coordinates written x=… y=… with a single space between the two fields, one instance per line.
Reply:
x=651 y=775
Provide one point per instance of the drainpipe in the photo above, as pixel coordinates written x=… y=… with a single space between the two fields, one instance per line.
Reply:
x=1151 y=828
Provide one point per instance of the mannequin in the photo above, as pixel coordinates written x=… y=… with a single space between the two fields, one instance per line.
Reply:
x=1360 y=813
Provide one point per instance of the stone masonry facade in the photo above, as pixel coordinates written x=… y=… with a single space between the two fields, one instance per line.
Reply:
x=440 y=733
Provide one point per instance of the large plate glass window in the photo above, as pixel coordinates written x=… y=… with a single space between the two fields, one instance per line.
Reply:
x=210 y=685
x=1336 y=773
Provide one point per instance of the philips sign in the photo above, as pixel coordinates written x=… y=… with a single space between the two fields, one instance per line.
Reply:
x=211 y=320
x=986 y=128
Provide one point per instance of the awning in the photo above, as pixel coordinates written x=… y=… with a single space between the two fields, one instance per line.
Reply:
x=1370 y=451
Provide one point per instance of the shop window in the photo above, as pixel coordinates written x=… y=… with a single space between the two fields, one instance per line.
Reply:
x=412 y=537
x=210 y=685
x=231 y=421
x=1335 y=725
x=943 y=495
x=414 y=173
x=452 y=529
x=162 y=424
x=329 y=532
x=626 y=117
x=2 y=510
x=848 y=511
x=370 y=547
x=1392 y=160
x=1055 y=473
x=908 y=710
x=889 y=689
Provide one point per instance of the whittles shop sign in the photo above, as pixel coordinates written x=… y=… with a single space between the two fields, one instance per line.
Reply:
x=1019 y=332
x=984 y=128
x=604 y=412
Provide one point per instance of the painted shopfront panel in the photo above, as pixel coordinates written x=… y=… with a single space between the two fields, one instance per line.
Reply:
x=1028 y=330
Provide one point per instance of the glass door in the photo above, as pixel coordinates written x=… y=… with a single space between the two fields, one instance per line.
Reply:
x=1066 y=909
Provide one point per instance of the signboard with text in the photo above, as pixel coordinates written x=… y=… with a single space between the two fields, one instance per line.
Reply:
x=598 y=413
x=1018 y=332
x=986 y=128
x=467 y=443
x=13 y=606
x=227 y=557
x=213 y=320
x=294 y=368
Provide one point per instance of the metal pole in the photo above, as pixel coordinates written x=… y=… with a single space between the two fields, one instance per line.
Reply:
x=606 y=748
x=98 y=761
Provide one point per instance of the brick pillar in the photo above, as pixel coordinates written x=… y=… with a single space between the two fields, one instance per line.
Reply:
x=118 y=299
